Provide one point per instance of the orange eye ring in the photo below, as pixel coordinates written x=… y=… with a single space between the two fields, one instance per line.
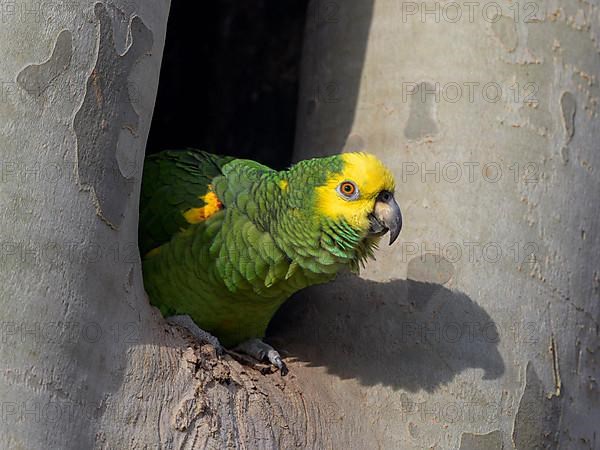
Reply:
x=348 y=190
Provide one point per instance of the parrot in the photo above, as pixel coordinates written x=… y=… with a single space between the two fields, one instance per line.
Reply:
x=226 y=241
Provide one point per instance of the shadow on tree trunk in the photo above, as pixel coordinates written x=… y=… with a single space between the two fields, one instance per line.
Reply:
x=406 y=334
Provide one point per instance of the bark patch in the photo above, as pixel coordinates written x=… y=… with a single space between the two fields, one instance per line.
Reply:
x=488 y=441
x=568 y=107
x=107 y=109
x=536 y=421
x=505 y=30
x=36 y=78
x=421 y=122
x=430 y=268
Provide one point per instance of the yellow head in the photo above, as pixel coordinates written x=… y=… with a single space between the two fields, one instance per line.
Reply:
x=354 y=194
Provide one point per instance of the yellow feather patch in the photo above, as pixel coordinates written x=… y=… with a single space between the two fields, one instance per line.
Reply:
x=283 y=185
x=369 y=175
x=153 y=252
x=211 y=206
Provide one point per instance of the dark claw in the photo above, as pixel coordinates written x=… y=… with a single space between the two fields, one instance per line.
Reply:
x=281 y=366
x=284 y=370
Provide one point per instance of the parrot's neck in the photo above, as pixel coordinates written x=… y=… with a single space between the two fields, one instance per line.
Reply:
x=315 y=243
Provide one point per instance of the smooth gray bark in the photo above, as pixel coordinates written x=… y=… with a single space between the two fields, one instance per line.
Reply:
x=78 y=88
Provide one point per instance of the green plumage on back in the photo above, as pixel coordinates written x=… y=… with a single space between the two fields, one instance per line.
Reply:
x=227 y=241
x=174 y=181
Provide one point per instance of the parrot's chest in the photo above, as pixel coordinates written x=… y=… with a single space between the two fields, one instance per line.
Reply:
x=230 y=282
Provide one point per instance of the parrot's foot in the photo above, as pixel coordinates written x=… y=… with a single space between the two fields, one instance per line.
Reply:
x=186 y=322
x=263 y=351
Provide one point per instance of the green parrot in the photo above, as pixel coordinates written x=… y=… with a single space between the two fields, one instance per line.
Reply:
x=226 y=241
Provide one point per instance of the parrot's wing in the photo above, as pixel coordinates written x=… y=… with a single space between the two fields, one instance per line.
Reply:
x=175 y=183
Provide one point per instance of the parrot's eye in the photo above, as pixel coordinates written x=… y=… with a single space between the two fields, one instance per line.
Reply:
x=348 y=190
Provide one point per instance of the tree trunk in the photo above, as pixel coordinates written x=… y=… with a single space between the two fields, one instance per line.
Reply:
x=454 y=351
x=78 y=87
x=480 y=329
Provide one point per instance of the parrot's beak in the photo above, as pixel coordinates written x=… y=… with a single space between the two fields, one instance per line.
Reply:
x=386 y=216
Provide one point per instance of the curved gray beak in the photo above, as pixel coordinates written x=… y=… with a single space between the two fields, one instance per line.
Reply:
x=386 y=216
